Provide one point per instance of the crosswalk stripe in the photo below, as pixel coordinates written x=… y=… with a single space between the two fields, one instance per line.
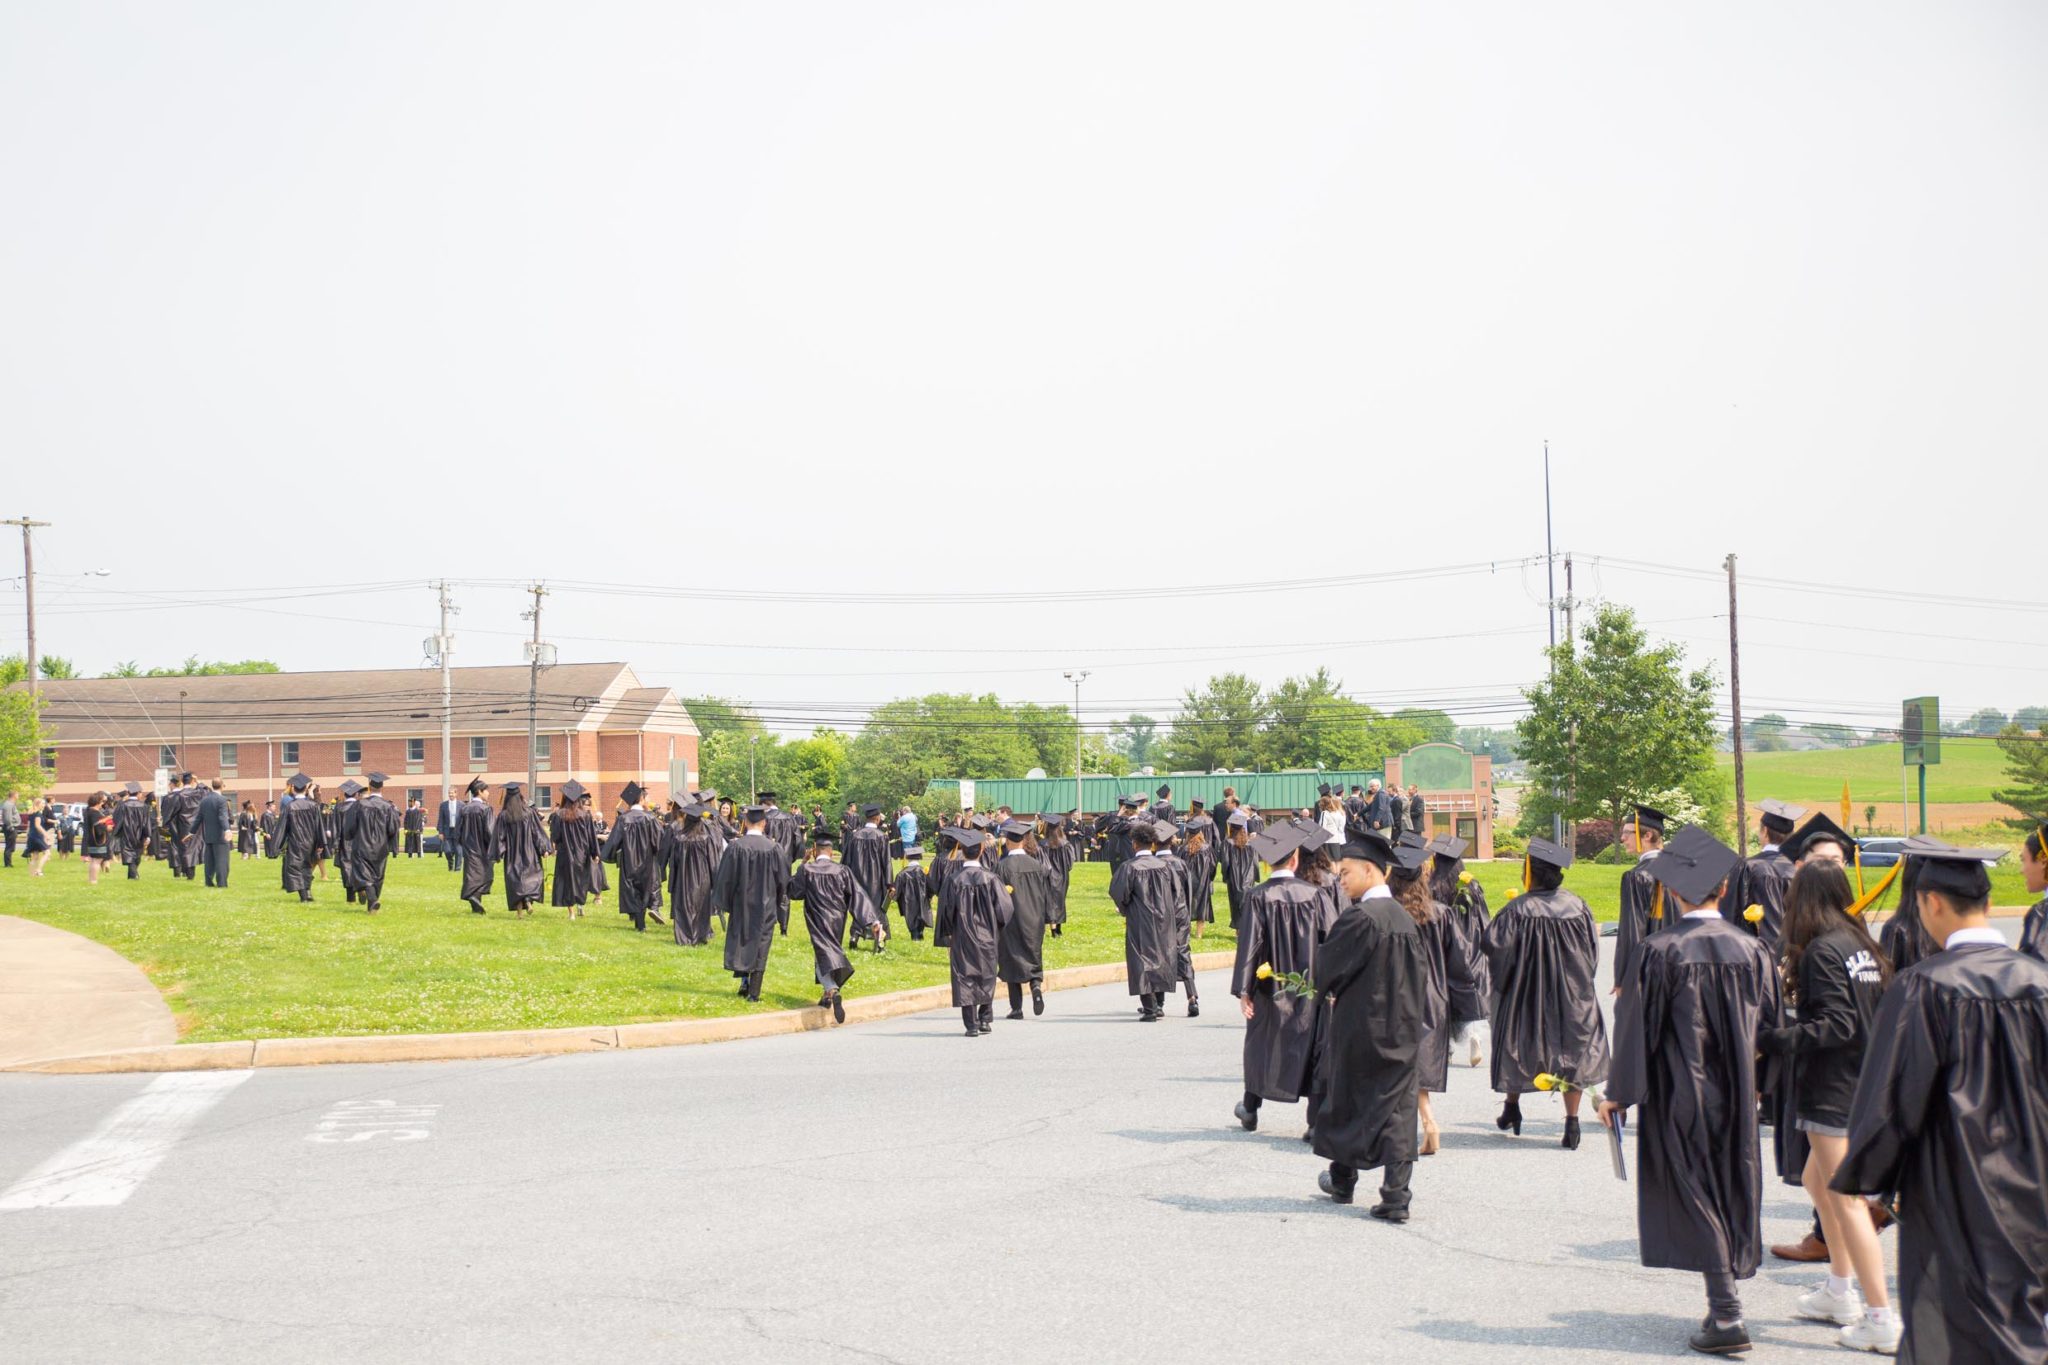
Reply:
x=104 y=1168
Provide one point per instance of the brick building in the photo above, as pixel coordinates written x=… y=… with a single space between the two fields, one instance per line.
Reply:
x=594 y=722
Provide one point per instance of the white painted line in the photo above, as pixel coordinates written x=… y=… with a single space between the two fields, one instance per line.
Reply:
x=368 y=1120
x=104 y=1168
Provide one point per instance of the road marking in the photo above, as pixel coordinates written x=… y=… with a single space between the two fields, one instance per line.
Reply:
x=368 y=1120
x=103 y=1168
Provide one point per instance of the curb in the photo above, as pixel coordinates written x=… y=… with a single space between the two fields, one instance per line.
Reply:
x=546 y=1042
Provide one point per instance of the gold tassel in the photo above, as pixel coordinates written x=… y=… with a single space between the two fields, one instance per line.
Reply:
x=1657 y=905
x=1870 y=898
x=1525 y=874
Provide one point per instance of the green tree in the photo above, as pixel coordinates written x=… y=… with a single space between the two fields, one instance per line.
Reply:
x=1766 y=734
x=714 y=715
x=21 y=743
x=195 y=667
x=2026 y=768
x=1829 y=733
x=1135 y=737
x=2031 y=718
x=911 y=740
x=725 y=758
x=1218 y=726
x=1050 y=731
x=127 y=668
x=811 y=772
x=1617 y=720
x=14 y=668
x=1988 y=721
x=1436 y=727
x=1496 y=744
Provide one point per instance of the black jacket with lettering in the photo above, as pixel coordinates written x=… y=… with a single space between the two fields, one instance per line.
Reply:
x=1840 y=984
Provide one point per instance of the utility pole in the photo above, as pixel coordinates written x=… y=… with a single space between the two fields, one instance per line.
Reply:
x=182 y=766
x=1550 y=572
x=1076 y=677
x=28 y=585
x=533 y=692
x=1735 y=706
x=1569 y=637
x=444 y=646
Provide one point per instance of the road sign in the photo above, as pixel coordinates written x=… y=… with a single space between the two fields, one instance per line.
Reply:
x=1921 y=729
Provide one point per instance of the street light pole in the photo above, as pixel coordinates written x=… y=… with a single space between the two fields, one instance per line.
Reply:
x=1076 y=676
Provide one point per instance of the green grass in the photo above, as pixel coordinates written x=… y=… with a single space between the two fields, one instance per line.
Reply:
x=251 y=962
x=1968 y=771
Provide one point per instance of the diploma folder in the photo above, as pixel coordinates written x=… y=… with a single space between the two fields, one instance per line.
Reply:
x=1616 y=1131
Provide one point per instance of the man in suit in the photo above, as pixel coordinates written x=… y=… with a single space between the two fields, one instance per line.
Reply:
x=214 y=822
x=446 y=821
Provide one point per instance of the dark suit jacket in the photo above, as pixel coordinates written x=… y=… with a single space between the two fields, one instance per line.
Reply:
x=216 y=822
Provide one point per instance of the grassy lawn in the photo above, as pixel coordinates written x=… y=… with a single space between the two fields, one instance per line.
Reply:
x=1968 y=770
x=251 y=962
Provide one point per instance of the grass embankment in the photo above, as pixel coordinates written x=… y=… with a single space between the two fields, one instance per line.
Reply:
x=1968 y=771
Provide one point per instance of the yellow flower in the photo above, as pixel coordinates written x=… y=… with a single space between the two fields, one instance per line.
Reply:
x=1464 y=879
x=1546 y=1081
x=1265 y=972
x=1754 y=914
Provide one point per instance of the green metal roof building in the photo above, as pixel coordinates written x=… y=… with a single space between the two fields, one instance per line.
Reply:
x=1263 y=791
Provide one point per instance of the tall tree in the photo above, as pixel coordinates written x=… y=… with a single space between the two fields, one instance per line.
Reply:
x=21 y=743
x=1218 y=726
x=1436 y=727
x=2031 y=718
x=1135 y=737
x=196 y=667
x=2026 y=768
x=1617 y=720
x=1988 y=721
x=911 y=740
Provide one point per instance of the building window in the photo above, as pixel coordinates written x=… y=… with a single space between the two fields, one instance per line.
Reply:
x=228 y=754
x=288 y=753
x=545 y=796
x=166 y=755
x=415 y=751
x=418 y=794
x=543 y=747
x=479 y=749
x=106 y=758
x=351 y=751
x=49 y=760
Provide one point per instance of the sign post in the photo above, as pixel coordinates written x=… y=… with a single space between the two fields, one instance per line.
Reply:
x=1920 y=729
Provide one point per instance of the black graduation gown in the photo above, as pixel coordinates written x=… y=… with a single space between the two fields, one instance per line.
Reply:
x=478 y=831
x=1544 y=950
x=1240 y=874
x=1638 y=900
x=689 y=860
x=1183 y=925
x=1471 y=1001
x=751 y=889
x=1760 y=881
x=1116 y=840
x=1285 y=921
x=245 y=834
x=2034 y=931
x=1951 y=1114
x=634 y=847
x=298 y=835
x=575 y=844
x=267 y=822
x=832 y=896
x=1202 y=882
x=1059 y=860
x=1685 y=1031
x=1903 y=939
x=1449 y=959
x=1374 y=980
x=521 y=848
x=1021 y=953
x=866 y=856
x=972 y=913
x=370 y=843
x=1147 y=893
x=131 y=830
x=341 y=829
x=913 y=893
x=181 y=827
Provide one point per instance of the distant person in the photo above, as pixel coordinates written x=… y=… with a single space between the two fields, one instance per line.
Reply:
x=1418 y=810
x=376 y=832
x=972 y=910
x=213 y=829
x=1147 y=893
x=691 y=847
x=1284 y=923
x=574 y=835
x=835 y=905
x=448 y=824
x=10 y=824
x=41 y=828
x=298 y=837
x=912 y=893
x=751 y=889
x=97 y=837
x=1762 y=880
x=180 y=815
x=1034 y=898
x=633 y=846
x=866 y=855
x=414 y=827
x=519 y=847
x=266 y=824
x=134 y=823
x=906 y=831
x=476 y=828
x=2034 y=864
x=245 y=831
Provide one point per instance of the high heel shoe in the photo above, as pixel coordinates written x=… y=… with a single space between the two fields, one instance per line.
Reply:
x=1510 y=1117
x=1431 y=1139
x=1571 y=1134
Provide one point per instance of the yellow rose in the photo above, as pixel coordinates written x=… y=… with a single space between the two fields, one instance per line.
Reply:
x=1265 y=972
x=1546 y=1081
x=1464 y=879
x=1754 y=914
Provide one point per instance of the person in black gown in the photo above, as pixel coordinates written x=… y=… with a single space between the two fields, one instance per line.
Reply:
x=1950 y=1117
x=912 y=893
x=973 y=909
x=1147 y=892
x=833 y=898
x=1762 y=879
x=574 y=835
x=377 y=824
x=132 y=829
x=476 y=827
x=866 y=856
x=1240 y=866
x=1020 y=955
x=298 y=836
x=633 y=846
x=1642 y=903
x=2034 y=865
x=1284 y=923
x=751 y=889
x=519 y=845
x=1462 y=892
x=1686 y=1025
x=1057 y=849
x=690 y=849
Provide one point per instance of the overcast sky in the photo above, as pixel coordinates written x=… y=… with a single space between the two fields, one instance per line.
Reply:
x=866 y=298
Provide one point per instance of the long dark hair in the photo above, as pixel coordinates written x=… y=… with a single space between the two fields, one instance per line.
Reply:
x=1412 y=890
x=1818 y=903
x=515 y=807
x=1443 y=877
x=1315 y=868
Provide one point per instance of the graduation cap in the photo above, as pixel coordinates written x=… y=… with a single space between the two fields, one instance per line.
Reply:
x=979 y=822
x=508 y=788
x=1131 y=801
x=1693 y=865
x=1543 y=851
x=696 y=810
x=968 y=838
x=351 y=787
x=1051 y=819
x=572 y=790
x=870 y=809
x=1412 y=838
x=1015 y=829
x=1650 y=818
x=1165 y=831
x=1163 y=792
x=631 y=793
x=1276 y=843
x=1195 y=804
x=1411 y=857
x=1450 y=846
x=823 y=838
x=1239 y=820
x=132 y=788
x=1958 y=872
x=1313 y=835
x=765 y=796
x=756 y=814
x=298 y=783
x=1323 y=789
x=1818 y=830
x=1780 y=816
x=1367 y=845
x=913 y=853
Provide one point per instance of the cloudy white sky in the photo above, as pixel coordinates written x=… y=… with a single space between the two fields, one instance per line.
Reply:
x=959 y=298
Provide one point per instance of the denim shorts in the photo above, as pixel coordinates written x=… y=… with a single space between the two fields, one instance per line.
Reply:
x=1824 y=1129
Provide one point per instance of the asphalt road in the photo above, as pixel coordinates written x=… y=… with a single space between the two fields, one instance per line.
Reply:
x=1069 y=1188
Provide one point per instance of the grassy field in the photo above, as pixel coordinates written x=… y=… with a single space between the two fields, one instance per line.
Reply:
x=1968 y=771
x=251 y=962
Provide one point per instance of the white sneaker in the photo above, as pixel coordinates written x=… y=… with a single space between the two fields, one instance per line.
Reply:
x=1822 y=1306
x=1881 y=1337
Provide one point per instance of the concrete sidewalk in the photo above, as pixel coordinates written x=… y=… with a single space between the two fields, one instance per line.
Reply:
x=61 y=995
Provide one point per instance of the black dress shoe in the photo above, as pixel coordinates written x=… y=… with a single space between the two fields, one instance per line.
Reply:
x=1720 y=1341
x=1308 y=1135
x=1389 y=1213
x=1329 y=1186
x=1510 y=1117
x=1571 y=1134
x=838 y=1008
x=987 y=1027
x=1248 y=1117
x=1014 y=1014
x=1037 y=999
x=1194 y=1008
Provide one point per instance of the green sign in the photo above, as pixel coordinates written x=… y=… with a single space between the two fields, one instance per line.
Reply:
x=1921 y=730
x=1438 y=768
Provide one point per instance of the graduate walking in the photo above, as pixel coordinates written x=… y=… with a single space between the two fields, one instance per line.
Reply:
x=833 y=899
x=1058 y=851
x=574 y=835
x=751 y=889
x=1285 y=921
x=690 y=848
x=1146 y=891
x=1020 y=956
x=973 y=910
x=912 y=892
x=298 y=837
x=476 y=834
x=374 y=840
x=519 y=845
x=634 y=847
x=866 y=857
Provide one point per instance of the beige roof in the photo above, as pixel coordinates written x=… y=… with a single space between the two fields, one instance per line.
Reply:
x=353 y=703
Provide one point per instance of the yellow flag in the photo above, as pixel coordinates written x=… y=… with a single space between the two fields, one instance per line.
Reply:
x=1845 y=805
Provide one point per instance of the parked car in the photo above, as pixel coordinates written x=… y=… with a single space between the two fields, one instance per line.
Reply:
x=1881 y=852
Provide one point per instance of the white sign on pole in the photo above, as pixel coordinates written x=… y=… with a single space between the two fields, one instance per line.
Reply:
x=966 y=793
